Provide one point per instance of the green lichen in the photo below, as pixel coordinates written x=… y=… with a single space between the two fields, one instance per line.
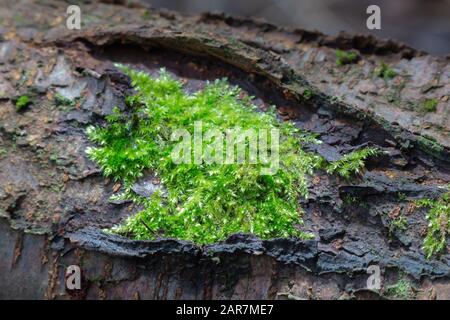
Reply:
x=205 y=202
x=438 y=218
x=345 y=57
x=22 y=102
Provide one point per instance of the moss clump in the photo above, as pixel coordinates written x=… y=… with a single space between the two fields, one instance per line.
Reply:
x=22 y=102
x=398 y=224
x=401 y=290
x=345 y=57
x=385 y=71
x=430 y=146
x=428 y=105
x=3 y=153
x=402 y=197
x=61 y=101
x=438 y=217
x=204 y=202
x=351 y=202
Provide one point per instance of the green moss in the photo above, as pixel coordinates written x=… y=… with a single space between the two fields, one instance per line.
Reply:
x=53 y=157
x=352 y=163
x=307 y=94
x=429 y=105
x=385 y=71
x=61 y=101
x=401 y=196
x=393 y=95
x=203 y=202
x=352 y=202
x=3 y=153
x=430 y=146
x=64 y=103
x=438 y=217
x=401 y=290
x=398 y=224
x=345 y=57
x=22 y=102
x=147 y=15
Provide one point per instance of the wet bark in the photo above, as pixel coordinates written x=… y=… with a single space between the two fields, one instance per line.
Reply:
x=54 y=202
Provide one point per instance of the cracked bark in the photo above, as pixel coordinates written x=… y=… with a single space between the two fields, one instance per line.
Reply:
x=54 y=201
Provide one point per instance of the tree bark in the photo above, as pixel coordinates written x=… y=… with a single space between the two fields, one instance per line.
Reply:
x=54 y=202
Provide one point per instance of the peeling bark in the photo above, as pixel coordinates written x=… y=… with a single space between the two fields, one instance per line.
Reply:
x=54 y=201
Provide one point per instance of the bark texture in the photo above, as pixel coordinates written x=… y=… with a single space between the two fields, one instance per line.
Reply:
x=54 y=202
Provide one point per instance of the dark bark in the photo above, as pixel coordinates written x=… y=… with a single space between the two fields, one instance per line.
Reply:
x=54 y=201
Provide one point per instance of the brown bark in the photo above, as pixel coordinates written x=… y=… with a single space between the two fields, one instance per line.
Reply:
x=54 y=201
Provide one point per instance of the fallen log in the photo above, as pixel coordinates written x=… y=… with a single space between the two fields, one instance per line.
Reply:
x=54 y=201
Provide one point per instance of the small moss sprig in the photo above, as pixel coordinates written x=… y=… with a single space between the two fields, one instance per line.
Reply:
x=307 y=94
x=429 y=105
x=402 y=289
x=385 y=71
x=438 y=217
x=352 y=163
x=22 y=102
x=345 y=57
x=62 y=102
x=398 y=224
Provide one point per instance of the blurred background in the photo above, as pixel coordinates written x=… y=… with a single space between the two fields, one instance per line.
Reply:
x=423 y=24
